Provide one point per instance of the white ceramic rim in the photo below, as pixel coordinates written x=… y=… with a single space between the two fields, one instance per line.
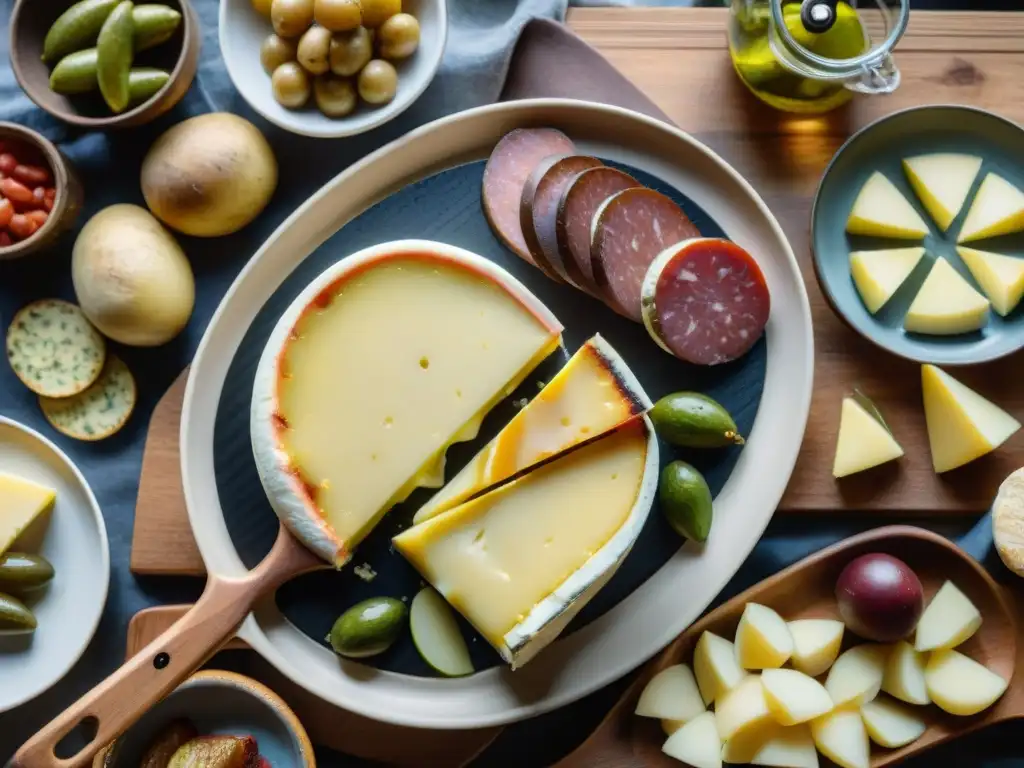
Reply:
x=101 y=528
x=613 y=645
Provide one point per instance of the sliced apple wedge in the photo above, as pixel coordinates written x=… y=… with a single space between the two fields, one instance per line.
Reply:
x=762 y=638
x=671 y=695
x=816 y=644
x=788 y=747
x=743 y=709
x=856 y=677
x=842 y=738
x=904 y=674
x=716 y=667
x=697 y=743
x=948 y=620
x=891 y=724
x=794 y=697
x=960 y=685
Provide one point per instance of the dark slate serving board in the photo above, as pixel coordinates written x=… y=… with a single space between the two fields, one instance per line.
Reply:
x=446 y=207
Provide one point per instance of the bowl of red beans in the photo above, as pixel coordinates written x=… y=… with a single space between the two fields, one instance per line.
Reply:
x=40 y=196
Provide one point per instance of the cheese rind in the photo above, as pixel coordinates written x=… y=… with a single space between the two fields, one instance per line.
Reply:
x=520 y=561
x=942 y=182
x=863 y=442
x=946 y=304
x=379 y=365
x=879 y=274
x=1000 y=277
x=21 y=502
x=998 y=209
x=593 y=394
x=881 y=210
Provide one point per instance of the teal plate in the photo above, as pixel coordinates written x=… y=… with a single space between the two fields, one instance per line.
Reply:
x=881 y=146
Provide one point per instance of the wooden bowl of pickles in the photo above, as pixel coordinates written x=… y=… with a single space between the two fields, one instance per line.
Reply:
x=104 y=64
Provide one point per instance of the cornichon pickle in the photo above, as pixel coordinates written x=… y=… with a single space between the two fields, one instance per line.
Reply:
x=114 y=56
x=20 y=571
x=693 y=420
x=76 y=28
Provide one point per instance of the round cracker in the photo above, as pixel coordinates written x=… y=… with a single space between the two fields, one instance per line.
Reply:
x=99 y=411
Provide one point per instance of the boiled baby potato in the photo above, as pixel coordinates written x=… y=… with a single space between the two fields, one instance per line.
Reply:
x=275 y=51
x=949 y=619
x=904 y=674
x=335 y=96
x=376 y=12
x=290 y=84
x=816 y=644
x=960 y=685
x=842 y=738
x=378 y=82
x=262 y=7
x=762 y=638
x=313 y=50
x=399 y=36
x=715 y=667
x=291 y=17
x=671 y=695
x=743 y=710
x=696 y=743
x=794 y=697
x=890 y=724
x=350 y=51
x=856 y=677
x=337 y=15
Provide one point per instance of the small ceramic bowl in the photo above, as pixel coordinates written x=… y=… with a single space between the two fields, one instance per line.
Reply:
x=38 y=150
x=243 y=30
x=219 y=703
x=31 y=20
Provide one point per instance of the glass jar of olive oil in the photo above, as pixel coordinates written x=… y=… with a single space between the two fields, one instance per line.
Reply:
x=809 y=56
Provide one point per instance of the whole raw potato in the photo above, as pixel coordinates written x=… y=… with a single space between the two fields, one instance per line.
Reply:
x=132 y=279
x=210 y=175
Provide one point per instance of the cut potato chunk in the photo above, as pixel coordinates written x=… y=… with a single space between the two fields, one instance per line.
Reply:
x=879 y=274
x=762 y=638
x=949 y=619
x=904 y=674
x=816 y=644
x=842 y=738
x=697 y=743
x=716 y=667
x=946 y=304
x=881 y=210
x=856 y=677
x=743 y=710
x=671 y=695
x=863 y=441
x=998 y=209
x=794 y=697
x=890 y=724
x=959 y=685
x=942 y=181
x=1000 y=277
x=671 y=726
x=788 y=747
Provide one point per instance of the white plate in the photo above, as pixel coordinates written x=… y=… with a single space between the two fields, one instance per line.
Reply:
x=74 y=540
x=647 y=620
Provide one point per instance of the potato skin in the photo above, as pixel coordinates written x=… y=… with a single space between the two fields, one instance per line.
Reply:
x=210 y=175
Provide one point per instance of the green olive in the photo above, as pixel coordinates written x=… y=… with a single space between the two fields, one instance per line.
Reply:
x=350 y=51
x=399 y=36
x=276 y=51
x=335 y=96
x=290 y=83
x=378 y=82
x=376 y=12
x=337 y=15
x=313 y=48
x=291 y=17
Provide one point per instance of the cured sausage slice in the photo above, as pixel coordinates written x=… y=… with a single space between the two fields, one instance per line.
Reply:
x=705 y=301
x=509 y=166
x=573 y=224
x=539 y=208
x=630 y=230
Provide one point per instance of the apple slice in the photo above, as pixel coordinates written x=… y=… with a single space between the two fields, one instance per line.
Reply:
x=697 y=743
x=890 y=724
x=842 y=738
x=715 y=666
x=904 y=674
x=959 y=685
x=816 y=644
x=788 y=747
x=671 y=695
x=949 y=619
x=762 y=638
x=794 y=697
x=856 y=677
x=743 y=709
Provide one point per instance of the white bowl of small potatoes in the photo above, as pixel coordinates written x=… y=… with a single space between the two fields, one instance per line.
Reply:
x=332 y=68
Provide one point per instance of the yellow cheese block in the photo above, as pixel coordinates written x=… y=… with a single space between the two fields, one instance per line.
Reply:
x=381 y=364
x=592 y=395
x=946 y=304
x=942 y=182
x=520 y=561
x=962 y=425
x=998 y=209
x=863 y=441
x=878 y=274
x=882 y=211
x=21 y=502
x=1000 y=277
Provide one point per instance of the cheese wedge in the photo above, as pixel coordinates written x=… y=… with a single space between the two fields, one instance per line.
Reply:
x=521 y=561
x=946 y=304
x=592 y=395
x=881 y=210
x=962 y=425
x=878 y=274
x=1000 y=277
x=998 y=209
x=377 y=367
x=863 y=441
x=942 y=182
x=21 y=502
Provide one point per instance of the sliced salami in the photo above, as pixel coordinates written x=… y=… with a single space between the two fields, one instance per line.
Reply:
x=705 y=301
x=576 y=210
x=509 y=166
x=539 y=208
x=629 y=230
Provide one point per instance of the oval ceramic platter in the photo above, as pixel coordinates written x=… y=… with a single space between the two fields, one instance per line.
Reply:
x=882 y=146
x=73 y=538
x=427 y=186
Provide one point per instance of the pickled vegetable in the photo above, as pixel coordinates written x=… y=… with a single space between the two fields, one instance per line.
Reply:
x=20 y=571
x=693 y=420
x=368 y=628
x=686 y=501
x=15 y=617
x=114 y=49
